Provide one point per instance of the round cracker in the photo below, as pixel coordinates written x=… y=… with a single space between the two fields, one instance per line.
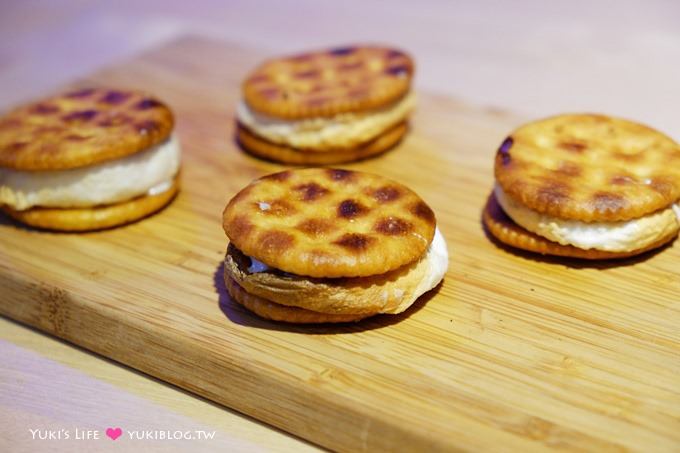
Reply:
x=329 y=223
x=95 y=218
x=275 y=312
x=280 y=153
x=328 y=82
x=508 y=232
x=590 y=168
x=81 y=128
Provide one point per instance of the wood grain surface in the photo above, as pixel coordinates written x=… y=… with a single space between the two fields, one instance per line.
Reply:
x=511 y=352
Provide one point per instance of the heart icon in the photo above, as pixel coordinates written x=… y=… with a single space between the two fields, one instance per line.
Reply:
x=114 y=433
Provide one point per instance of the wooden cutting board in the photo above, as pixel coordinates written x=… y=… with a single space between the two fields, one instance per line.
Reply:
x=512 y=352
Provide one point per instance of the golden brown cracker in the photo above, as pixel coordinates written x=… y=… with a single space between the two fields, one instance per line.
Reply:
x=590 y=168
x=328 y=82
x=329 y=223
x=275 y=312
x=280 y=153
x=82 y=128
x=95 y=218
x=508 y=232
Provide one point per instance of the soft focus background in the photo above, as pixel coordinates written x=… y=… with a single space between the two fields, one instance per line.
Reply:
x=535 y=57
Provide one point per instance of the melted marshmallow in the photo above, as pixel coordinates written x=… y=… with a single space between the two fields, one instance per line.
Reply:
x=147 y=172
x=623 y=236
x=341 y=131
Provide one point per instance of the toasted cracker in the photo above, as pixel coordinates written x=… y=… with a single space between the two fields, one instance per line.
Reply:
x=329 y=223
x=281 y=153
x=275 y=312
x=95 y=218
x=591 y=168
x=328 y=82
x=81 y=128
x=508 y=232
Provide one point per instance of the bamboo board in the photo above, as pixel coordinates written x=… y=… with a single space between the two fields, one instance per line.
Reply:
x=512 y=352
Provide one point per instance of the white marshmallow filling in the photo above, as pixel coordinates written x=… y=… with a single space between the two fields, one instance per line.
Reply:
x=344 y=130
x=149 y=172
x=625 y=236
x=437 y=257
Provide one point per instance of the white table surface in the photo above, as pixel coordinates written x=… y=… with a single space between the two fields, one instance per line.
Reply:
x=533 y=57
